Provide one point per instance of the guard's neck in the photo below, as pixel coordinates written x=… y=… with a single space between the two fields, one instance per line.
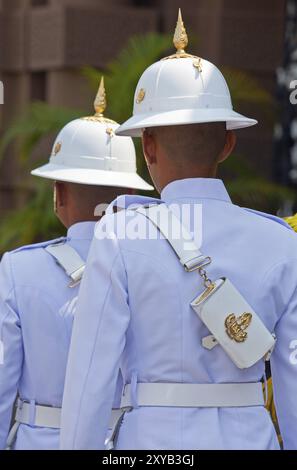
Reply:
x=79 y=219
x=181 y=175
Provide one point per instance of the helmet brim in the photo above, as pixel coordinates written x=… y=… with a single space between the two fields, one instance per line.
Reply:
x=134 y=126
x=92 y=177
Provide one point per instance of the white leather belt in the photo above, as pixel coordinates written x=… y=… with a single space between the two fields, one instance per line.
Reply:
x=184 y=396
x=194 y=395
x=47 y=416
x=38 y=415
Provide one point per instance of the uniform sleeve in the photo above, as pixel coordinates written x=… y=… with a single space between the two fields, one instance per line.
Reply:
x=284 y=359
x=11 y=350
x=98 y=340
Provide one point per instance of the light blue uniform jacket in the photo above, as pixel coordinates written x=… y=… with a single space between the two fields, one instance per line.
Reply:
x=36 y=316
x=134 y=313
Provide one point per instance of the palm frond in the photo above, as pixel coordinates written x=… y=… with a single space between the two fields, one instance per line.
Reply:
x=38 y=120
x=34 y=222
x=237 y=166
x=248 y=189
x=123 y=73
x=259 y=193
x=245 y=88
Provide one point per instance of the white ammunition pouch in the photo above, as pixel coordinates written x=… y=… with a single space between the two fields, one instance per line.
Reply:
x=69 y=260
x=233 y=323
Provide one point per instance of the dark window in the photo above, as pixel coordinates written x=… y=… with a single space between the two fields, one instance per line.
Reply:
x=144 y=3
x=38 y=86
x=37 y=3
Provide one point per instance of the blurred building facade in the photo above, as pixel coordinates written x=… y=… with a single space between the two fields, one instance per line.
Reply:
x=285 y=154
x=43 y=43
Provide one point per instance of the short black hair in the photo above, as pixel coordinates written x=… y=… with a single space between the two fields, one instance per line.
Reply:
x=192 y=143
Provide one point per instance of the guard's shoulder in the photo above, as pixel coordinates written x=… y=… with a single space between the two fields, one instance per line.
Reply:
x=292 y=221
x=271 y=217
x=34 y=246
x=132 y=201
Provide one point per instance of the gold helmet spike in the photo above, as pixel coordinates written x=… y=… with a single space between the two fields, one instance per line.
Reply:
x=100 y=104
x=180 y=41
x=180 y=38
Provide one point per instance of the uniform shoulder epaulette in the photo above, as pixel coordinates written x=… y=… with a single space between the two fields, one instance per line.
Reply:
x=39 y=245
x=130 y=201
x=292 y=221
x=272 y=217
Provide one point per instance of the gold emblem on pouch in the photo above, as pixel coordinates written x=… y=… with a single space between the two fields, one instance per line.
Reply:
x=236 y=326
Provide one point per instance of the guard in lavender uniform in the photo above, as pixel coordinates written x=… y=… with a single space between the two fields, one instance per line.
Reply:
x=39 y=283
x=292 y=221
x=190 y=309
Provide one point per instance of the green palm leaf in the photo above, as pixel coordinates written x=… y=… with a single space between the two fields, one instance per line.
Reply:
x=258 y=193
x=123 y=73
x=245 y=88
x=39 y=119
x=34 y=222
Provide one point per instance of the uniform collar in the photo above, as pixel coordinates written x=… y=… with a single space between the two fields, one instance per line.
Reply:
x=81 y=231
x=195 y=188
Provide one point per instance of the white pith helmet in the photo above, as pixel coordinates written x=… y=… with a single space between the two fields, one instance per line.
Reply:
x=182 y=89
x=87 y=151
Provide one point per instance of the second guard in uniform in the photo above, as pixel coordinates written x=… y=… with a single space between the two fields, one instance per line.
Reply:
x=39 y=283
x=292 y=222
x=189 y=312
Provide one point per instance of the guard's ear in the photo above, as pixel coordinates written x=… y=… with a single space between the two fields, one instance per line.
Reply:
x=149 y=147
x=60 y=194
x=130 y=191
x=229 y=146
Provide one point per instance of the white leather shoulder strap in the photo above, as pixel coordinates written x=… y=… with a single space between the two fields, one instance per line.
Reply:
x=68 y=258
x=176 y=234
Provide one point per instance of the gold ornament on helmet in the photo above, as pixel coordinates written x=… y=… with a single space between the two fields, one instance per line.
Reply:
x=100 y=104
x=57 y=148
x=180 y=41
